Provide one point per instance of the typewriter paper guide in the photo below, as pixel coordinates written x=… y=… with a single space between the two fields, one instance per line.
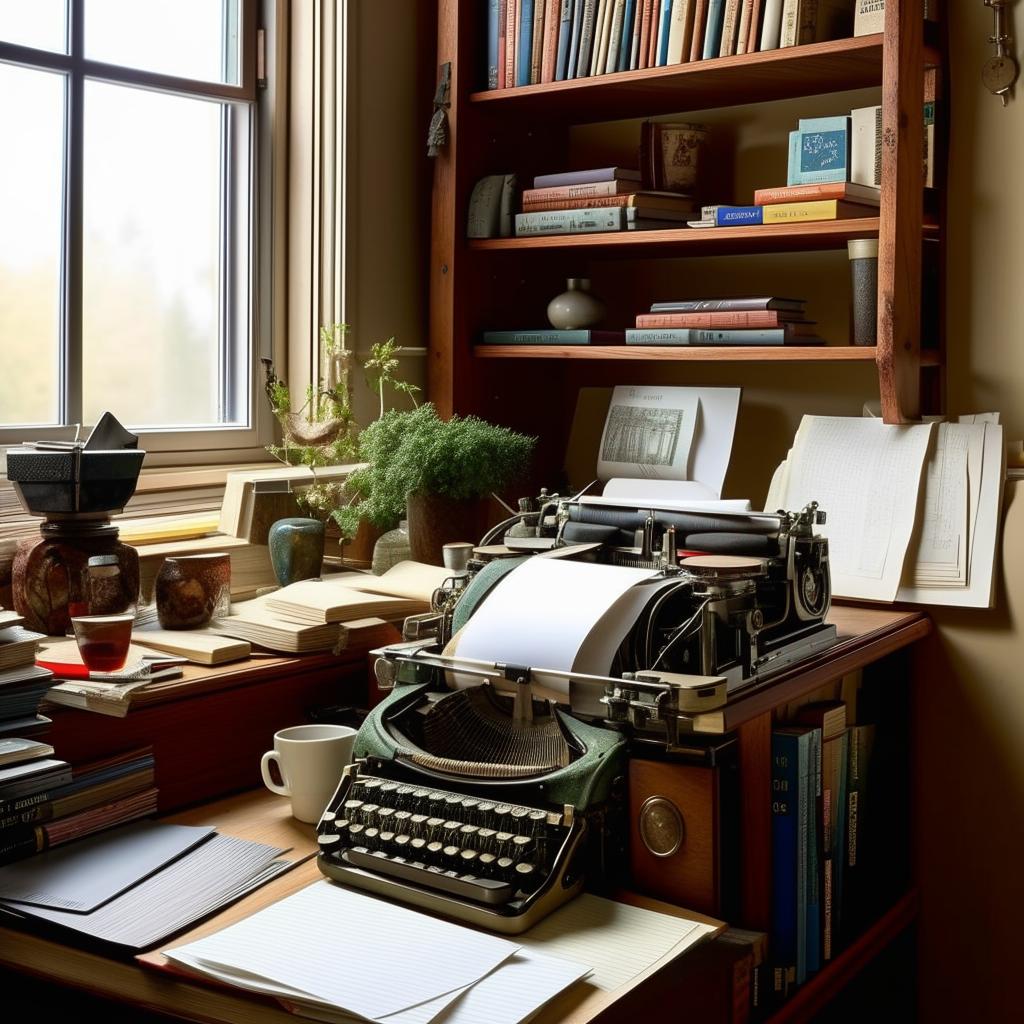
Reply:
x=667 y=444
x=555 y=614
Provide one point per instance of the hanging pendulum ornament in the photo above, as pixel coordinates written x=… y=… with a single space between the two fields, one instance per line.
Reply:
x=1000 y=71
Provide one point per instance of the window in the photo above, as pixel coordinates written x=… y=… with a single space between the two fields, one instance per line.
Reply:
x=127 y=213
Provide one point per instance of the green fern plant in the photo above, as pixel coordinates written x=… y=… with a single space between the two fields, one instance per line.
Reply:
x=419 y=453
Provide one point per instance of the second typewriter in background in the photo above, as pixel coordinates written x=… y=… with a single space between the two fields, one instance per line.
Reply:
x=492 y=782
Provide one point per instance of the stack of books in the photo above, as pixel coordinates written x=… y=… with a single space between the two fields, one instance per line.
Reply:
x=45 y=803
x=537 y=41
x=22 y=684
x=599 y=199
x=742 y=320
x=795 y=204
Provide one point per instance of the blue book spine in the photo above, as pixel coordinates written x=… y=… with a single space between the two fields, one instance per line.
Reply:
x=735 y=216
x=790 y=767
x=492 y=43
x=626 y=42
x=564 y=41
x=814 y=880
x=574 y=46
x=524 y=49
x=666 y=25
x=713 y=34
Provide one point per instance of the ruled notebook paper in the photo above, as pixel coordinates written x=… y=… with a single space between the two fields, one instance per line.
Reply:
x=350 y=951
x=618 y=941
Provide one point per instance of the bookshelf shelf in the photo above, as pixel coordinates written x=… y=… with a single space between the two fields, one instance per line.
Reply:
x=684 y=353
x=816 y=68
x=767 y=238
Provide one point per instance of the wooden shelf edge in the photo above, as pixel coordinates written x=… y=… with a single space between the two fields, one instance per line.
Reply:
x=684 y=353
x=797 y=70
x=847 y=655
x=703 y=241
x=816 y=994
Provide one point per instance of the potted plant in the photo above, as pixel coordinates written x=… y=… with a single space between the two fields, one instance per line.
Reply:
x=436 y=469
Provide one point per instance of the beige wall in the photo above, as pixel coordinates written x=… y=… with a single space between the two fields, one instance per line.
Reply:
x=970 y=686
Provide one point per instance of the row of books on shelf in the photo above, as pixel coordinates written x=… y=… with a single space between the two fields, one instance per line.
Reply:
x=834 y=785
x=741 y=320
x=539 y=41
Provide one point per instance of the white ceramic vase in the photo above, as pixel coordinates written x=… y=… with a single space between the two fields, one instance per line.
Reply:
x=576 y=308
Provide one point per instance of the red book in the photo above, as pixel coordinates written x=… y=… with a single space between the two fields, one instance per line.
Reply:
x=700 y=17
x=714 y=321
x=552 y=16
x=846 y=191
x=645 y=33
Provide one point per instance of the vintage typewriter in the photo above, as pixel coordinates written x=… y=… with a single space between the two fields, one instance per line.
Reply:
x=492 y=805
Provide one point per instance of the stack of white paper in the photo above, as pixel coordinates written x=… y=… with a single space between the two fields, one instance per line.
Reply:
x=912 y=510
x=339 y=955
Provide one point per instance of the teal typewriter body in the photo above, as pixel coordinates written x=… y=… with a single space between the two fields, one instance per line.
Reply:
x=484 y=807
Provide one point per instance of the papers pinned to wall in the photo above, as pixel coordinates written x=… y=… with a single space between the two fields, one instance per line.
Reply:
x=913 y=511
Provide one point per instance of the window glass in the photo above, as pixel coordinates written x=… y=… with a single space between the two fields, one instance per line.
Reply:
x=151 y=257
x=36 y=23
x=31 y=182
x=187 y=38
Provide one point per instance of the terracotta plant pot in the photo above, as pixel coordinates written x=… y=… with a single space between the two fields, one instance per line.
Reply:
x=435 y=521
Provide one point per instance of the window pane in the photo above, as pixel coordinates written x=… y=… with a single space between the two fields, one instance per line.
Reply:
x=188 y=38
x=31 y=181
x=38 y=23
x=151 y=346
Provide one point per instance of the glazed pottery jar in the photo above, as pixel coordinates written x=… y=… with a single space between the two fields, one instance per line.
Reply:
x=296 y=549
x=576 y=308
x=192 y=589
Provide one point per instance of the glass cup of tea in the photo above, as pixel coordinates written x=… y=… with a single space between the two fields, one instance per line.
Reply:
x=103 y=640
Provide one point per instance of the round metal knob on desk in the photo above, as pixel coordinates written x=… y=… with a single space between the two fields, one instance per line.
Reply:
x=662 y=827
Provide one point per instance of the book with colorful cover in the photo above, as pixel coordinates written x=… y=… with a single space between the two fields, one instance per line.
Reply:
x=730 y=304
x=758 y=318
x=693 y=336
x=819 y=151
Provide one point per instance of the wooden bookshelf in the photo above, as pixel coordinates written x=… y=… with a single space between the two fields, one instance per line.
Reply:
x=526 y=129
x=834 y=66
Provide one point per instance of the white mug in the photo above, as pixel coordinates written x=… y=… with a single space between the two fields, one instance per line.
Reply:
x=310 y=759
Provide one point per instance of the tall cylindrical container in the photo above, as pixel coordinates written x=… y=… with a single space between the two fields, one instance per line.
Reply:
x=863 y=253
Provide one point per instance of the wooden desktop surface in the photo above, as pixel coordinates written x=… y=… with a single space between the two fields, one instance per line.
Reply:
x=865 y=634
x=149 y=981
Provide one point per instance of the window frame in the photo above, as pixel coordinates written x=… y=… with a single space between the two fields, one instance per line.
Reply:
x=243 y=214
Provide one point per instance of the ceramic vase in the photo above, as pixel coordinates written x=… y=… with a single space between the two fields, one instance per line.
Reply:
x=391 y=548
x=296 y=549
x=193 y=589
x=576 y=308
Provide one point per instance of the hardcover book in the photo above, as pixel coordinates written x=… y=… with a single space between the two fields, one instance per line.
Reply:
x=819 y=151
x=551 y=337
x=868 y=17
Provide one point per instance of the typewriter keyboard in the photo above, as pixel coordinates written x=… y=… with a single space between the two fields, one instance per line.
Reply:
x=481 y=851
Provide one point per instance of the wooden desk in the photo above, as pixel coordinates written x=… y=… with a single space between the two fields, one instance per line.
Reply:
x=146 y=982
x=865 y=636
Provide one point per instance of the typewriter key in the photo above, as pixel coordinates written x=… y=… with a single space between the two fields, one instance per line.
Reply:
x=388 y=787
x=469 y=832
x=327 y=817
x=468 y=856
x=505 y=864
x=486 y=808
x=420 y=795
x=326 y=840
x=519 y=813
x=418 y=843
x=524 y=870
x=369 y=810
x=487 y=861
x=402 y=841
x=384 y=813
x=370 y=835
x=418 y=819
x=353 y=805
x=354 y=830
x=386 y=837
x=370 y=783
x=402 y=816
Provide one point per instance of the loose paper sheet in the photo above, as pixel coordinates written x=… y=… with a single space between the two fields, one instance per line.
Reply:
x=296 y=942
x=866 y=476
x=543 y=613
x=85 y=874
x=654 y=433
